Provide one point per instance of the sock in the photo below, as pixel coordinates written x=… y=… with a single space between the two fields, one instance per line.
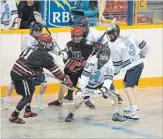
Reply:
x=70 y=92
x=133 y=108
x=28 y=109
x=15 y=113
x=60 y=101
x=114 y=110
x=7 y=98
x=73 y=111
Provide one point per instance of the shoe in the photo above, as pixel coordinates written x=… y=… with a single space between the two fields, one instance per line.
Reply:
x=39 y=103
x=7 y=104
x=68 y=98
x=55 y=103
x=29 y=114
x=69 y=117
x=15 y=119
x=129 y=108
x=133 y=116
x=118 y=117
x=89 y=104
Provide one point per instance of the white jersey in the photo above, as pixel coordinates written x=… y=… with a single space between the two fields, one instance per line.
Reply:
x=95 y=35
x=127 y=52
x=8 y=12
x=30 y=41
x=93 y=77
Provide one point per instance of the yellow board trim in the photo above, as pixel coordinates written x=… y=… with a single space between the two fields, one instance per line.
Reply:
x=54 y=88
x=67 y=29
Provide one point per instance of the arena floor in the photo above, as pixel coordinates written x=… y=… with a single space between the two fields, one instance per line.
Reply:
x=88 y=123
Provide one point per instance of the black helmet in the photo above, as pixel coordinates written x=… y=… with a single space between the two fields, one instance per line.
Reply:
x=103 y=55
x=115 y=32
x=35 y=29
x=83 y=21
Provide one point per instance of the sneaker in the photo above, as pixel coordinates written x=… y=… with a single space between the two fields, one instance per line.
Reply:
x=14 y=118
x=68 y=98
x=133 y=116
x=55 y=103
x=129 y=108
x=118 y=117
x=39 y=103
x=29 y=114
x=89 y=104
x=69 y=117
x=7 y=104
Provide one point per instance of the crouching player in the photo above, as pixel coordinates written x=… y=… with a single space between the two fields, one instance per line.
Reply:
x=28 y=66
x=78 y=50
x=97 y=74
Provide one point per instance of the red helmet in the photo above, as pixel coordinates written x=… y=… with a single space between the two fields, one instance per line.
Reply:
x=46 y=41
x=76 y=34
x=76 y=31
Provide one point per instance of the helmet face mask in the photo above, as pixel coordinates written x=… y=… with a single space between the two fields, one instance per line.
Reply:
x=76 y=34
x=103 y=59
x=103 y=55
x=46 y=42
x=84 y=24
x=35 y=29
x=77 y=38
x=36 y=33
x=48 y=45
x=113 y=34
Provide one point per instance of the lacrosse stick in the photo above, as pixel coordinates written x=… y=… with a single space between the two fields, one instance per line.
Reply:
x=39 y=19
x=108 y=28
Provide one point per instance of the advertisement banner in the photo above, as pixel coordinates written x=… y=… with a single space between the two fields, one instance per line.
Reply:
x=62 y=13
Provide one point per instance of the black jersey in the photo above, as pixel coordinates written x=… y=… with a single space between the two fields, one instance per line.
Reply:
x=81 y=50
x=25 y=12
x=31 y=63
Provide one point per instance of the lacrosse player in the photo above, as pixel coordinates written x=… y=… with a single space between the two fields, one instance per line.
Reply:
x=97 y=74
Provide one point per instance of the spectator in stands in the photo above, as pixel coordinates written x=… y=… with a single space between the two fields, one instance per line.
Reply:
x=8 y=14
x=25 y=12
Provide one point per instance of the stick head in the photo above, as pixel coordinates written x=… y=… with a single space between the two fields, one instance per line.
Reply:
x=112 y=25
x=38 y=18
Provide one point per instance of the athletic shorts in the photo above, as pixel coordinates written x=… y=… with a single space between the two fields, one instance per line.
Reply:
x=40 y=79
x=132 y=76
x=24 y=87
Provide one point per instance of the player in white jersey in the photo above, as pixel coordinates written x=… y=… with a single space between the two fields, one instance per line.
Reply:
x=30 y=40
x=97 y=74
x=8 y=14
x=127 y=54
x=90 y=34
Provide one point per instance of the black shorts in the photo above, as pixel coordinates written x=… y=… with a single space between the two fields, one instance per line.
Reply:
x=133 y=75
x=24 y=87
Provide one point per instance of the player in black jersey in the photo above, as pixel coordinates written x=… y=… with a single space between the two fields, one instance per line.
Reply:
x=78 y=51
x=26 y=68
x=25 y=13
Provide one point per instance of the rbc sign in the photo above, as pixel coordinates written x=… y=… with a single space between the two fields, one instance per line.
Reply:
x=60 y=13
